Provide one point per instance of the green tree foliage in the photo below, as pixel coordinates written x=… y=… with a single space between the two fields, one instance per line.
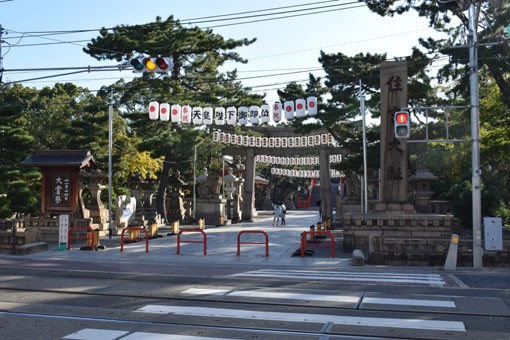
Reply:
x=18 y=186
x=195 y=79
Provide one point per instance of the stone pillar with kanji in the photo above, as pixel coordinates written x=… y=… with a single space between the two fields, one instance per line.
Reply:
x=394 y=153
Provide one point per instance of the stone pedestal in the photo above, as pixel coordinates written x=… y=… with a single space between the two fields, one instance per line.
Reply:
x=212 y=209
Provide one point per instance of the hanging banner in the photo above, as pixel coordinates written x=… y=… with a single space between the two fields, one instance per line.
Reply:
x=277 y=111
x=197 y=115
x=164 y=112
x=254 y=114
x=242 y=115
x=219 y=116
x=300 y=108
x=207 y=115
x=311 y=103
x=288 y=108
x=264 y=113
x=175 y=113
x=186 y=114
x=231 y=115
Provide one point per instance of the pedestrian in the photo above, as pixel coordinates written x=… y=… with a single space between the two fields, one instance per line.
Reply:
x=319 y=204
x=277 y=213
x=284 y=210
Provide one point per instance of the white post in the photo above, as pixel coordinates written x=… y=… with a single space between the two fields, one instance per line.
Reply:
x=365 y=171
x=475 y=139
x=110 y=181
x=194 y=182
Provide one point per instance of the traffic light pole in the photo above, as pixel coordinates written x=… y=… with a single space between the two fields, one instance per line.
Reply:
x=475 y=138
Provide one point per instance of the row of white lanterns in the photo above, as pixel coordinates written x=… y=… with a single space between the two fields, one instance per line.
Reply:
x=273 y=142
x=314 y=160
x=243 y=115
x=303 y=173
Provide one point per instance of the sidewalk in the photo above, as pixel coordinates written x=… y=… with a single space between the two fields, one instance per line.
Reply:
x=283 y=242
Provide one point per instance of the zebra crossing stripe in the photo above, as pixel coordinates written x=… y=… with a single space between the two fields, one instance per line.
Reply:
x=306 y=318
x=108 y=334
x=428 y=279
x=278 y=295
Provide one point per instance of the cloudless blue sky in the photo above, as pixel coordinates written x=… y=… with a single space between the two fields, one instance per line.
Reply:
x=284 y=45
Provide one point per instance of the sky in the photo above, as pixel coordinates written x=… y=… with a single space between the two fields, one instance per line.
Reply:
x=285 y=45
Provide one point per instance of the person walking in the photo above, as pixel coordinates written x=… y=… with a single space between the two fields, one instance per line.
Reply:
x=284 y=210
x=277 y=213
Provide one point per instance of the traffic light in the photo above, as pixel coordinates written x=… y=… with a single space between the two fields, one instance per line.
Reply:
x=158 y=65
x=402 y=124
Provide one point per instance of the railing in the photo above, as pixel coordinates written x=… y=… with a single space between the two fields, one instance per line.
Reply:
x=312 y=234
x=246 y=242
x=179 y=241
x=89 y=236
x=134 y=229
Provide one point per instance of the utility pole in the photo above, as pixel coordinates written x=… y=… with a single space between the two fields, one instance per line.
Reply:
x=475 y=138
x=365 y=172
x=1 y=57
x=110 y=165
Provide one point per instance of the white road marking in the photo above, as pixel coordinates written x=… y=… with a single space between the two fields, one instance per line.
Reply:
x=428 y=279
x=296 y=296
x=409 y=302
x=308 y=318
x=94 y=334
x=206 y=291
x=105 y=334
x=321 y=297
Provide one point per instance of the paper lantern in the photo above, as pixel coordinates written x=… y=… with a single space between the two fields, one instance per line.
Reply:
x=317 y=140
x=310 y=141
x=240 y=140
x=242 y=115
x=254 y=114
x=186 y=114
x=164 y=112
x=288 y=108
x=233 y=139
x=246 y=140
x=231 y=115
x=227 y=138
x=284 y=142
x=196 y=115
x=324 y=139
x=291 y=142
x=297 y=142
x=207 y=117
x=264 y=113
x=258 y=142
x=300 y=107
x=153 y=110
x=277 y=112
x=271 y=142
x=222 y=137
x=219 y=116
x=277 y=142
x=216 y=136
x=175 y=113
x=252 y=141
x=265 y=142
x=311 y=104
x=304 y=142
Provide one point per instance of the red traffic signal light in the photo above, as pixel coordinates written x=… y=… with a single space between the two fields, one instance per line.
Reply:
x=402 y=124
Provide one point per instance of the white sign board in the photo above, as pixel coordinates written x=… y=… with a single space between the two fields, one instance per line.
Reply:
x=63 y=228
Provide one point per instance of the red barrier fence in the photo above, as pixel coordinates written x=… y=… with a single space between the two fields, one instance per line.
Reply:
x=204 y=241
x=134 y=229
x=304 y=244
x=246 y=242
x=90 y=235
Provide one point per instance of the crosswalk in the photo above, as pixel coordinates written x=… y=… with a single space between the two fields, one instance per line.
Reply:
x=431 y=280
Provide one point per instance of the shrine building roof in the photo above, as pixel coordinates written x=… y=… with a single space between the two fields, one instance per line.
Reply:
x=60 y=158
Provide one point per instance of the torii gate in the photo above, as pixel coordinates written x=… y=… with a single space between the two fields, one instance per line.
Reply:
x=250 y=152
